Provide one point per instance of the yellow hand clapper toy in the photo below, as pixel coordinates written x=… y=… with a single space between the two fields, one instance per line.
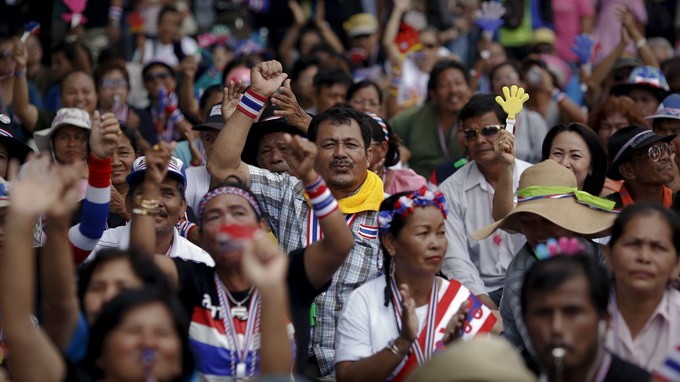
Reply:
x=512 y=104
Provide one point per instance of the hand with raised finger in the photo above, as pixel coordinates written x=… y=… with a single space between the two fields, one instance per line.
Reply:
x=157 y=160
x=301 y=156
x=456 y=325
x=104 y=135
x=505 y=147
x=189 y=66
x=266 y=78
x=298 y=13
x=289 y=108
x=38 y=189
x=231 y=97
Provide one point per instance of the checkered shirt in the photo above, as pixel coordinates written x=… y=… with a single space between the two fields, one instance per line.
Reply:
x=287 y=212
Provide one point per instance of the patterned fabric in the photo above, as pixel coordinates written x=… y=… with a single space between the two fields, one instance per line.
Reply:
x=286 y=211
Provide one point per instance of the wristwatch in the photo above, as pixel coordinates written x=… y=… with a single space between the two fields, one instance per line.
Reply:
x=392 y=346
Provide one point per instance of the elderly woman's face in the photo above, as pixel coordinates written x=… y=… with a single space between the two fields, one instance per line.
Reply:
x=538 y=230
x=644 y=258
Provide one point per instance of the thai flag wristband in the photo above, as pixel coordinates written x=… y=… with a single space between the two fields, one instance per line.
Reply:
x=251 y=103
x=115 y=13
x=321 y=198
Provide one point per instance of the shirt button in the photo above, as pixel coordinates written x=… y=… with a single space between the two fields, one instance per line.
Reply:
x=323 y=293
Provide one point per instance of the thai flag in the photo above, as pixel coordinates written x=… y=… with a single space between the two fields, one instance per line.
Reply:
x=368 y=231
x=670 y=370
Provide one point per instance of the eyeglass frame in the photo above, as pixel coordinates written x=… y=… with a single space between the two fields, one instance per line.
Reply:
x=665 y=146
x=494 y=128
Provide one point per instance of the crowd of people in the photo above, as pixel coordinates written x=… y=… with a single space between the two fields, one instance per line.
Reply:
x=231 y=190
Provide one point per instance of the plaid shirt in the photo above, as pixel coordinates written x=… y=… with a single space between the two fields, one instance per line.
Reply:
x=287 y=213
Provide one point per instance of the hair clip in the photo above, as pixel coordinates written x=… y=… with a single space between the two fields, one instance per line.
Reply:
x=566 y=246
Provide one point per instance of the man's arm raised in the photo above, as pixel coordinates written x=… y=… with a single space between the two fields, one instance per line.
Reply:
x=225 y=157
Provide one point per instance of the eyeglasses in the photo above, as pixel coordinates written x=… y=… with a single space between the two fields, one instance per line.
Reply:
x=654 y=153
x=486 y=131
x=158 y=76
x=111 y=84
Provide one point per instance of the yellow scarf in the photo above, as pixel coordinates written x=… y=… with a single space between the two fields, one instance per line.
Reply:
x=367 y=198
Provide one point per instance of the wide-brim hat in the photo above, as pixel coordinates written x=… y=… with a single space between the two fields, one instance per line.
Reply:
x=15 y=148
x=175 y=169
x=644 y=77
x=668 y=109
x=66 y=116
x=490 y=358
x=625 y=141
x=213 y=119
x=268 y=123
x=548 y=190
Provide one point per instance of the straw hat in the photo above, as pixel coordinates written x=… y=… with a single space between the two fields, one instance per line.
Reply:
x=548 y=189
x=487 y=359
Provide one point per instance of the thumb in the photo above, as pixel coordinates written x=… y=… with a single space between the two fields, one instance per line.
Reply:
x=286 y=83
x=96 y=119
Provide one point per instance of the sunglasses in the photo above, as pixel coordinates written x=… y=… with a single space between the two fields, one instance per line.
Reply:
x=654 y=153
x=158 y=76
x=486 y=131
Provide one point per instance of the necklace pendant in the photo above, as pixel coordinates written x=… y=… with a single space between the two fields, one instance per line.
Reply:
x=239 y=312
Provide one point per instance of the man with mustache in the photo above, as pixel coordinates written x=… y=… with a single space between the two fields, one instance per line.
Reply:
x=479 y=265
x=643 y=160
x=343 y=138
x=564 y=305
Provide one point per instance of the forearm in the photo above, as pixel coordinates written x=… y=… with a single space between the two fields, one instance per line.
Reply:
x=374 y=368
x=391 y=30
x=27 y=112
x=287 y=44
x=587 y=24
x=225 y=157
x=84 y=236
x=330 y=37
x=503 y=198
x=187 y=102
x=601 y=71
x=82 y=58
x=275 y=351
x=645 y=52
x=17 y=276
x=142 y=230
x=59 y=303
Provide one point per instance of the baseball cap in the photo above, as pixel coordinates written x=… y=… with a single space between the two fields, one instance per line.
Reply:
x=625 y=141
x=668 y=109
x=175 y=169
x=360 y=24
x=213 y=119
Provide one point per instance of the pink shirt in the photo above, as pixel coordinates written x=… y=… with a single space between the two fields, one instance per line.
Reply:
x=656 y=339
x=404 y=179
x=567 y=16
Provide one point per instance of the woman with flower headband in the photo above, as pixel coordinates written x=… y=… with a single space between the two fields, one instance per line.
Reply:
x=386 y=154
x=222 y=302
x=391 y=325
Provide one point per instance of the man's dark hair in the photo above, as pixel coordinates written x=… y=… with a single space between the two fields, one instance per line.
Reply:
x=329 y=76
x=207 y=93
x=481 y=104
x=166 y=9
x=341 y=116
x=442 y=66
x=548 y=275
x=180 y=187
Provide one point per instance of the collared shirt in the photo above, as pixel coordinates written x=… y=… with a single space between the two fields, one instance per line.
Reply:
x=182 y=248
x=287 y=212
x=479 y=265
x=511 y=305
x=655 y=340
x=623 y=198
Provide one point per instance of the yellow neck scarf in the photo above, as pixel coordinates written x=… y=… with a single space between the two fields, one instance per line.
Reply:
x=368 y=198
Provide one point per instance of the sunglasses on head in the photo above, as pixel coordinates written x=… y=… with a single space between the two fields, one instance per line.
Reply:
x=158 y=76
x=486 y=131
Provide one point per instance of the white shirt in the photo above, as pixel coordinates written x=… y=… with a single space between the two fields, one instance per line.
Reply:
x=198 y=184
x=479 y=265
x=119 y=237
x=154 y=50
x=656 y=339
x=367 y=326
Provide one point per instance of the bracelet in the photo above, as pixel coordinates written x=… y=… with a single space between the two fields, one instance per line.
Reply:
x=115 y=13
x=392 y=346
x=321 y=198
x=144 y=212
x=557 y=95
x=147 y=204
x=251 y=103
x=195 y=163
x=18 y=73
